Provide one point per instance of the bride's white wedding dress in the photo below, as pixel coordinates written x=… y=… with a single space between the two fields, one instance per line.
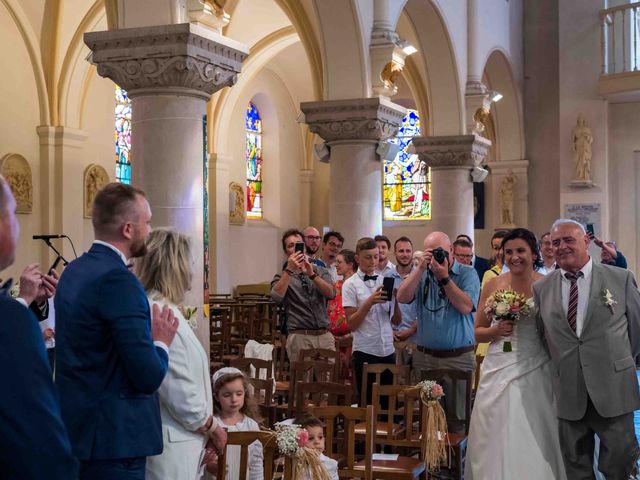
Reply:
x=514 y=428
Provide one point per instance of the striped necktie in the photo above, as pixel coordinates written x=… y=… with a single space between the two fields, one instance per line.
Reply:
x=572 y=310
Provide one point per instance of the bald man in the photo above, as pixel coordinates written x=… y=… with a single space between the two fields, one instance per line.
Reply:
x=312 y=240
x=447 y=295
x=33 y=440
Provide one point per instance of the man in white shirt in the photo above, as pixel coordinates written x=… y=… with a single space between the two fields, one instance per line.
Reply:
x=369 y=314
x=331 y=245
x=385 y=267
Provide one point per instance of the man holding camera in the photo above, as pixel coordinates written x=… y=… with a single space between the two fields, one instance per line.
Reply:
x=303 y=290
x=447 y=295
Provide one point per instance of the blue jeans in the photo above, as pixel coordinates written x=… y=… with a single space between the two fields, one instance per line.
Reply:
x=116 y=469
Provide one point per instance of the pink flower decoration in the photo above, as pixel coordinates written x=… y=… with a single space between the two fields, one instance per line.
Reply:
x=437 y=391
x=303 y=438
x=515 y=308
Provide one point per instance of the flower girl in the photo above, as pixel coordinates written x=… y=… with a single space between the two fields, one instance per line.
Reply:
x=235 y=410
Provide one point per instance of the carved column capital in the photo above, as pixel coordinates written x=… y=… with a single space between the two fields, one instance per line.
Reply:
x=180 y=58
x=452 y=151
x=353 y=119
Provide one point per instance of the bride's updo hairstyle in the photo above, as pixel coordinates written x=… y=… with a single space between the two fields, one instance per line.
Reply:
x=529 y=237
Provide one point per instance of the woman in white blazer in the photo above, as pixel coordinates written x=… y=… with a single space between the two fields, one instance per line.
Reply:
x=185 y=393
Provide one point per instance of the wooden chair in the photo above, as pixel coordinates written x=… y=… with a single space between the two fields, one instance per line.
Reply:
x=340 y=440
x=262 y=368
x=306 y=371
x=457 y=437
x=409 y=406
x=322 y=355
x=217 y=318
x=476 y=380
x=321 y=394
x=244 y=439
x=400 y=375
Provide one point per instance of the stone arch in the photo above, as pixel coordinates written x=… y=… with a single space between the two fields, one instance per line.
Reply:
x=32 y=45
x=507 y=113
x=75 y=71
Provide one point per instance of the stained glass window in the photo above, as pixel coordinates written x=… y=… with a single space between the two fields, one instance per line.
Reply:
x=407 y=179
x=123 y=136
x=253 y=154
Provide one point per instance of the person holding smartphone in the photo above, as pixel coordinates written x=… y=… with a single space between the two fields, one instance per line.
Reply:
x=303 y=289
x=370 y=311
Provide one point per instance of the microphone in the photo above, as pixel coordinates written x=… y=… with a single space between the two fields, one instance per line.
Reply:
x=47 y=237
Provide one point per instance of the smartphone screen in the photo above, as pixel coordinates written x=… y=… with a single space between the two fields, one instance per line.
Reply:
x=299 y=247
x=590 y=230
x=387 y=286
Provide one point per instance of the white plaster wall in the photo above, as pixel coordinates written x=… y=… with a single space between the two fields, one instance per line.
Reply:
x=254 y=19
x=624 y=124
x=454 y=17
x=579 y=72
x=255 y=247
x=19 y=117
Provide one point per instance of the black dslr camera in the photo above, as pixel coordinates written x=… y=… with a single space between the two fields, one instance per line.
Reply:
x=440 y=255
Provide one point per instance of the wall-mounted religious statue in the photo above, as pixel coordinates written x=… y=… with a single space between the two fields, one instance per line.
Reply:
x=17 y=171
x=507 y=194
x=95 y=177
x=237 y=204
x=582 y=138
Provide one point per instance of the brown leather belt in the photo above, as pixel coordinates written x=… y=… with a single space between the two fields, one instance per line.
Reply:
x=446 y=353
x=315 y=332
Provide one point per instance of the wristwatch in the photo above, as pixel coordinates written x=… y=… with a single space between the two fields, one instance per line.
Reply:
x=444 y=281
x=312 y=277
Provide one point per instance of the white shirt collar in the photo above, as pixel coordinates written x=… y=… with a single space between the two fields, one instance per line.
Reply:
x=120 y=254
x=586 y=270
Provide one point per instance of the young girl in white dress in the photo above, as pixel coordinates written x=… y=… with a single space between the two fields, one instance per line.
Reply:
x=235 y=409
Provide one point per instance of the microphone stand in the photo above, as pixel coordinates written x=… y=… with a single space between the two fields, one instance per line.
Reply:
x=59 y=256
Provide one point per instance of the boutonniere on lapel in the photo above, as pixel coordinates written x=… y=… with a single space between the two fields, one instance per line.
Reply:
x=189 y=314
x=609 y=301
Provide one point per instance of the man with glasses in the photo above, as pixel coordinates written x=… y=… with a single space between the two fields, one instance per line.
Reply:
x=303 y=289
x=312 y=238
x=463 y=251
x=481 y=264
x=447 y=295
x=331 y=245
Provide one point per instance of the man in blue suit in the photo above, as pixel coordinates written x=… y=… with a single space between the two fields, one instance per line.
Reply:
x=111 y=351
x=33 y=440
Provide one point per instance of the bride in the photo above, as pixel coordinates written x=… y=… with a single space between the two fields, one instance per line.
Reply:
x=514 y=429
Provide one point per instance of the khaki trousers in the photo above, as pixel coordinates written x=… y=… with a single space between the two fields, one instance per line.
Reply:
x=299 y=341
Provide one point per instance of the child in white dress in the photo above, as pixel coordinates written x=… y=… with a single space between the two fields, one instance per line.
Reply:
x=235 y=410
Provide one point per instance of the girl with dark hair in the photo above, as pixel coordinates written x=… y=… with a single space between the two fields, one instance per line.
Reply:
x=514 y=428
x=346 y=266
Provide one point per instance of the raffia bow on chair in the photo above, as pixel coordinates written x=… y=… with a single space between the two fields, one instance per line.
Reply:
x=435 y=440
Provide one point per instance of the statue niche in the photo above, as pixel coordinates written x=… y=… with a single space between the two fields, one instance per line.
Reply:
x=236 y=204
x=17 y=172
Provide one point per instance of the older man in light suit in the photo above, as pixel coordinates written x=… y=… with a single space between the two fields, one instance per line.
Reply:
x=589 y=315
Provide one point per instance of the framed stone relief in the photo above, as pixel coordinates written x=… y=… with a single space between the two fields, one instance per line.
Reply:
x=236 y=204
x=95 y=177
x=17 y=171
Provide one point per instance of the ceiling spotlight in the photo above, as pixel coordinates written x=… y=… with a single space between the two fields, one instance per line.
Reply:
x=494 y=96
x=408 y=49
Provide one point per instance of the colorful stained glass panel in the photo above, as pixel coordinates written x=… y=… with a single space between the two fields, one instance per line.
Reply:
x=123 y=136
x=253 y=155
x=407 y=179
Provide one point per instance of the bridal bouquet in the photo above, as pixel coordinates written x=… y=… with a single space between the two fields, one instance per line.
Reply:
x=508 y=305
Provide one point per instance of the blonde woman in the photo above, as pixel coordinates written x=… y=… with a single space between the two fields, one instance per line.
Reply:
x=185 y=394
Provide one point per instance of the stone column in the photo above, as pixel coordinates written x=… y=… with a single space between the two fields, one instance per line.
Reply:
x=61 y=189
x=352 y=129
x=219 y=222
x=451 y=159
x=170 y=72
x=306 y=179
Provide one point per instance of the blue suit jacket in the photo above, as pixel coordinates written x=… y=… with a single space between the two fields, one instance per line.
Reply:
x=481 y=265
x=33 y=441
x=107 y=367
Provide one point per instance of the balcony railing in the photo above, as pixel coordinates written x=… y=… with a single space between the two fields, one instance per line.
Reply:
x=620 y=39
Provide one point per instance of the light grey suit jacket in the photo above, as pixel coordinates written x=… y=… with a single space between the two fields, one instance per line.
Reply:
x=600 y=362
